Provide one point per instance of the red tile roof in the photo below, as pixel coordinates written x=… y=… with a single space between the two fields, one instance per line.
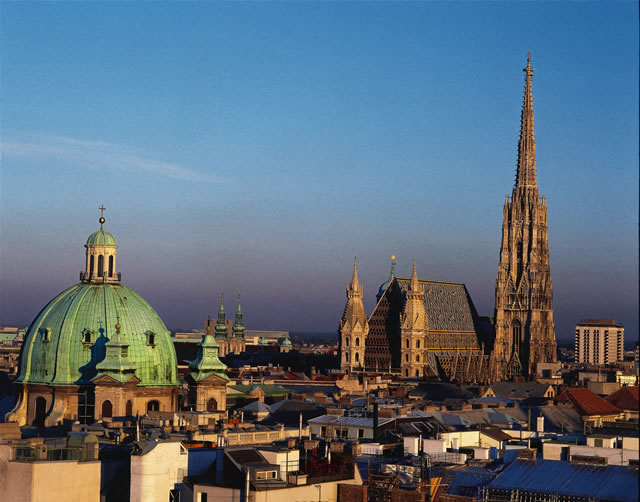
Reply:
x=496 y=434
x=625 y=398
x=587 y=403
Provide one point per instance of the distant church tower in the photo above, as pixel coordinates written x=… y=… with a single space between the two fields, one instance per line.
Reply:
x=354 y=327
x=524 y=327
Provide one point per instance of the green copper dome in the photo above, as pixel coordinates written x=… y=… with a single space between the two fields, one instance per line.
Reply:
x=68 y=338
x=286 y=342
x=101 y=238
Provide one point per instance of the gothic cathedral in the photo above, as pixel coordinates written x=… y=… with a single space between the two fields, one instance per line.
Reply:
x=524 y=327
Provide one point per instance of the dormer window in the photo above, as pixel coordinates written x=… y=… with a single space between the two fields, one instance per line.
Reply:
x=46 y=335
x=87 y=336
x=151 y=338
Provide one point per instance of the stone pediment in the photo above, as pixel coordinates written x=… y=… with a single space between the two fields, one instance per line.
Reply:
x=213 y=380
x=109 y=380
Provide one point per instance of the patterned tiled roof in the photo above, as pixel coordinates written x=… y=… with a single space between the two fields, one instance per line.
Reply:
x=448 y=305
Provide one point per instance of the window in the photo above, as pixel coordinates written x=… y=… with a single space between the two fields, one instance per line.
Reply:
x=86 y=336
x=417 y=358
x=347 y=341
x=153 y=405
x=266 y=475
x=100 y=265
x=357 y=342
x=406 y=358
x=202 y=497
x=174 y=495
x=357 y=357
x=406 y=343
x=418 y=344
x=46 y=335
x=107 y=409
x=151 y=338
x=111 y=266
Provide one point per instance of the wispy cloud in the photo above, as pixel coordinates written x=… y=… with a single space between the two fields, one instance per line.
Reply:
x=101 y=155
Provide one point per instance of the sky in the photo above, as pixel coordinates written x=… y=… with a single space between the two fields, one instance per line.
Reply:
x=256 y=148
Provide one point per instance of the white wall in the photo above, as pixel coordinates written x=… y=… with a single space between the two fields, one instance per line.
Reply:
x=465 y=439
x=157 y=472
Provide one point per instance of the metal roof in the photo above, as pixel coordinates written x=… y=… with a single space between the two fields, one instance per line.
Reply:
x=348 y=421
x=604 y=482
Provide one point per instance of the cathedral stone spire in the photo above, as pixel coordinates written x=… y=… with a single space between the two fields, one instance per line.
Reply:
x=526 y=173
x=524 y=326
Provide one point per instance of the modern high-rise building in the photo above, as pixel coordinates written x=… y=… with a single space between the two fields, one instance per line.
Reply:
x=524 y=326
x=599 y=341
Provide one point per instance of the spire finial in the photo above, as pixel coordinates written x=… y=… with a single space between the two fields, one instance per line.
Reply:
x=414 y=275
x=354 y=279
x=526 y=172
x=102 y=220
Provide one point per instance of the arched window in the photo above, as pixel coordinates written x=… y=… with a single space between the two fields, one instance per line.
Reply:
x=418 y=344
x=107 y=409
x=417 y=373
x=516 y=330
x=41 y=411
x=91 y=266
x=406 y=373
x=212 y=405
x=100 y=265
x=129 y=408
x=347 y=341
x=406 y=343
x=153 y=405
x=417 y=358
x=357 y=342
x=357 y=357
x=406 y=358
x=346 y=355
x=111 y=266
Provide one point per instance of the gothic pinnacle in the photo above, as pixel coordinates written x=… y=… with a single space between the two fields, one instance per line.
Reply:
x=526 y=171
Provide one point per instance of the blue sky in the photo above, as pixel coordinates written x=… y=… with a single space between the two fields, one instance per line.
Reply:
x=256 y=148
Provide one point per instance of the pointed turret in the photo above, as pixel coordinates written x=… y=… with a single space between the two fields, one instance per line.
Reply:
x=526 y=173
x=238 y=327
x=354 y=326
x=354 y=287
x=221 y=325
x=207 y=362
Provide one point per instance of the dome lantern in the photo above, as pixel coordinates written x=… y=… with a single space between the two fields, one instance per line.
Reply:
x=100 y=256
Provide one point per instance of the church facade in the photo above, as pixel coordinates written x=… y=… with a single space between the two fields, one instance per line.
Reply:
x=417 y=328
x=426 y=328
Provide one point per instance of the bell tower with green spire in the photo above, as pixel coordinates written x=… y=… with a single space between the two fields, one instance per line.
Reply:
x=524 y=326
x=207 y=378
x=238 y=327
